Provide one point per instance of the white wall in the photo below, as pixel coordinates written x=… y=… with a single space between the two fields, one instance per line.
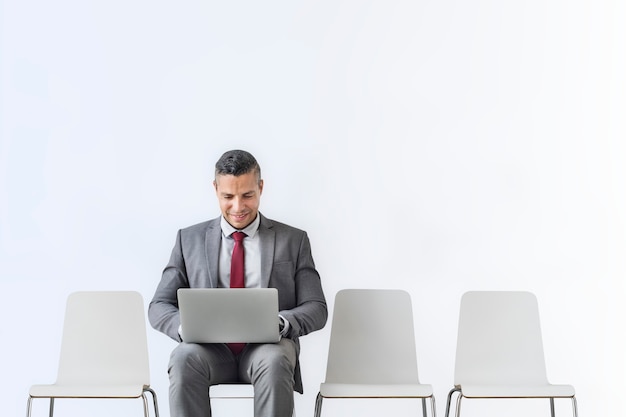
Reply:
x=490 y=134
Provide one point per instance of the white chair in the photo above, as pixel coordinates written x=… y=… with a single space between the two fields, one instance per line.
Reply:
x=104 y=350
x=499 y=352
x=372 y=349
x=234 y=391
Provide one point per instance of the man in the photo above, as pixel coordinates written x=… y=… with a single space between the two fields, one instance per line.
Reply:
x=276 y=255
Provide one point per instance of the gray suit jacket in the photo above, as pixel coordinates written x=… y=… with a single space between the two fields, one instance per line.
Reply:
x=286 y=264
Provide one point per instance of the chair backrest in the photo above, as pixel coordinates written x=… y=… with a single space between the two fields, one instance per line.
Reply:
x=104 y=339
x=372 y=338
x=499 y=339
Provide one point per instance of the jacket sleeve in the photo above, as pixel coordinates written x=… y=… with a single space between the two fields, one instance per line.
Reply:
x=163 y=309
x=310 y=311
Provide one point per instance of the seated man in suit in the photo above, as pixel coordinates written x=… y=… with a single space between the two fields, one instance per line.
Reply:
x=276 y=255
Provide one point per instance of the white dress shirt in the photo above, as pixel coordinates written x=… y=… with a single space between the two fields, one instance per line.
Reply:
x=252 y=257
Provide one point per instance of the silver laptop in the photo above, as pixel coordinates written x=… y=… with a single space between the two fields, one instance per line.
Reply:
x=226 y=315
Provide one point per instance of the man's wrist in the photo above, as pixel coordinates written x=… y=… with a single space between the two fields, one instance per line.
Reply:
x=283 y=326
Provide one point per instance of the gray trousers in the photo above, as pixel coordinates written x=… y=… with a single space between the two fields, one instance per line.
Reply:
x=193 y=368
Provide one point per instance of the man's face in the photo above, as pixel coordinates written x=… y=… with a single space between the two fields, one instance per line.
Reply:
x=239 y=198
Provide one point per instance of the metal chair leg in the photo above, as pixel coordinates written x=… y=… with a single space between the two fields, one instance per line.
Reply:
x=154 y=400
x=452 y=391
x=29 y=404
x=144 y=400
x=458 y=405
x=574 y=407
x=433 y=411
x=432 y=407
x=318 y=405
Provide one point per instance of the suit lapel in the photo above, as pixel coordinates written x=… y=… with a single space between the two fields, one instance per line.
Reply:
x=213 y=240
x=267 y=238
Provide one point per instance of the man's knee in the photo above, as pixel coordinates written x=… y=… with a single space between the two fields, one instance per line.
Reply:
x=185 y=353
x=185 y=357
x=210 y=363
x=273 y=361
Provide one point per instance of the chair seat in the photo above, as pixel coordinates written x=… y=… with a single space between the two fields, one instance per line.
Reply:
x=231 y=391
x=86 y=391
x=335 y=390
x=517 y=391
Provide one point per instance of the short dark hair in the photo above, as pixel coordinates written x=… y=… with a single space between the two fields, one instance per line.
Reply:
x=237 y=162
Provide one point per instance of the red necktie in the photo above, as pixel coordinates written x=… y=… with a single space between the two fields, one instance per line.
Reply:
x=236 y=262
x=237 y=276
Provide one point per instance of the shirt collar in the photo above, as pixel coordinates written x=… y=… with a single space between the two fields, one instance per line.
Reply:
x=249 y=230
